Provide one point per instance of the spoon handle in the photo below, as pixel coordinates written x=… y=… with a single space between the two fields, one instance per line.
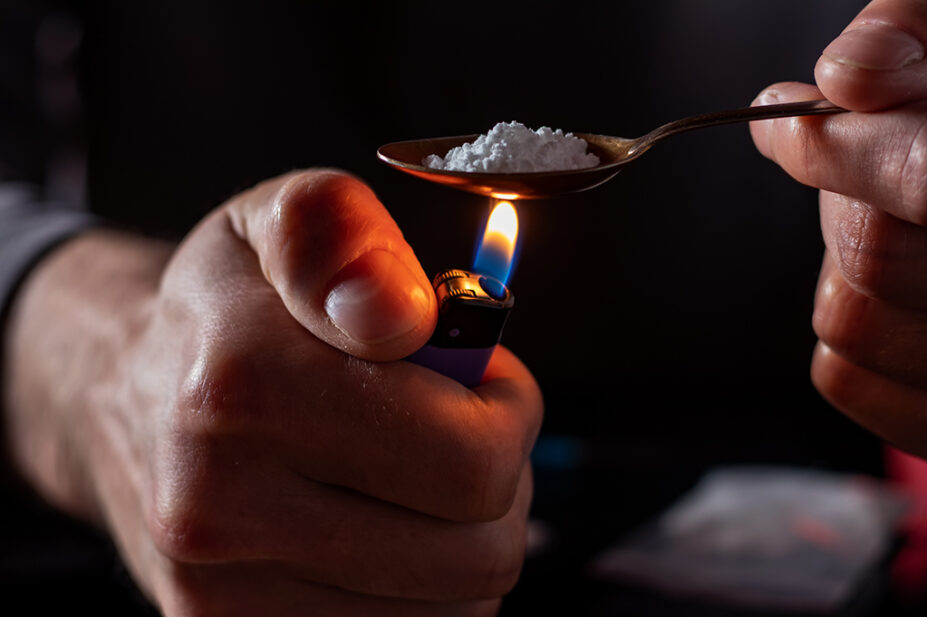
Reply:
x=745 y=114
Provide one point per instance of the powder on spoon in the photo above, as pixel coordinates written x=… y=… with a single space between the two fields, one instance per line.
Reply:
x=511 y=147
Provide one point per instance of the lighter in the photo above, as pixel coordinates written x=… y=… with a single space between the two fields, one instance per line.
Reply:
x=472 y=311
x=474 y=306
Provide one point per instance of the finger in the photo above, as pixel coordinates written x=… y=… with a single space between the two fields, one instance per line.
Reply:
x=878 y=60
x=441 y=561
x=338 y=262
x=880 y=159
x=877 y=254
x=877 y=336
x=245 y=590
x=342 y=538
x=889 y=409
x=421 y=440
x=395 y=431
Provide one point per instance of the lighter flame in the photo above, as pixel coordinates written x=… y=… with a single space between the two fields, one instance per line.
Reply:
x=502 y=229
x=497 y=249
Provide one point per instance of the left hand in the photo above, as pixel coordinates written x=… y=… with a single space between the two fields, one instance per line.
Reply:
x=871 y=166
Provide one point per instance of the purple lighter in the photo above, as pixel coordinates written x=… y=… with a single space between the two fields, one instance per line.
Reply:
x=472 y=311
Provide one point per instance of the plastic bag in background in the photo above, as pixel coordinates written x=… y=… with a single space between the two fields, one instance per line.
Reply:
x=764 y=538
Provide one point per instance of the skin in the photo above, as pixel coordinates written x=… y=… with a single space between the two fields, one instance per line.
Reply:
x=213 y=406
x=199 y=404
x=871 y=165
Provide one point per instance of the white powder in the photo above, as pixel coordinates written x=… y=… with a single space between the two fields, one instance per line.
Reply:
x=511 y=147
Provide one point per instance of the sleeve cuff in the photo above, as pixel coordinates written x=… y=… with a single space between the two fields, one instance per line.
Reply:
x=29 y=234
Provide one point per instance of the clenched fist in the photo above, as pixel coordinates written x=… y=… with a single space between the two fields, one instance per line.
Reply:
x=235 y=413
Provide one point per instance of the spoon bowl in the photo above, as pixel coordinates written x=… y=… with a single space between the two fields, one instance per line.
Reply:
x=613 y=153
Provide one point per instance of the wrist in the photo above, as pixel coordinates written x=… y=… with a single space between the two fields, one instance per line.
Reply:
x=69 y=326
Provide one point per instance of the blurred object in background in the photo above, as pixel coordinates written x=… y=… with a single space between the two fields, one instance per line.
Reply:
x=764 y=538
x=909 y=568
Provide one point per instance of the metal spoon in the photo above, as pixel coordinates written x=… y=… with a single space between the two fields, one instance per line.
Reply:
x=613 y=153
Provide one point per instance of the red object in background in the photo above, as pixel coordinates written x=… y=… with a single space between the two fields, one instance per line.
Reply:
x=909 y=569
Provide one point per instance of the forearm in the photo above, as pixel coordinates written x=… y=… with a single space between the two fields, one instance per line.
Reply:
x=73 y=318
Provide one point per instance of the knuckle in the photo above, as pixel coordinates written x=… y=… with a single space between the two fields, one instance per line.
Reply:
x=309 y=197
x=184 y=513
x=869 y=398
x=184 y=518
x=841 y=316
x=215 y=396
x=498 y=574
x=833 y=378
x=488 y=568
x=487 y=476
x=182 y=524
x=913 y=176
x=864 y=249
x=314 y=216
x=795 y=147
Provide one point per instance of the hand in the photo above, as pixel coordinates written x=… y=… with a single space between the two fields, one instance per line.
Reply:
x=228 y=430
x=871 y=306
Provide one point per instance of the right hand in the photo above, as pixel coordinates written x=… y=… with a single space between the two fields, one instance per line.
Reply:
x=248 y=458
x=870 y=165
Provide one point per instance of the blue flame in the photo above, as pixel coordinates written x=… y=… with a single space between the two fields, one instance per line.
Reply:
x=493 y=259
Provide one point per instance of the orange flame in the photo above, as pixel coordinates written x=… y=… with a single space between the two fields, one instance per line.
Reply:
x=496 y=251
x=501 y=232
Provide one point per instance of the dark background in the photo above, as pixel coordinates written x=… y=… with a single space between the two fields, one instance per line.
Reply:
x=699 y=260
x=665 y=314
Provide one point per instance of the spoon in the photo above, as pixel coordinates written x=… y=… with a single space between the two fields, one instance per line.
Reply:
x=613 y=153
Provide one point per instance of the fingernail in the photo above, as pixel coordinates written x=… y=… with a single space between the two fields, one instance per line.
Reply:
x=877 y=47
x=767 y=97
x=376 y=298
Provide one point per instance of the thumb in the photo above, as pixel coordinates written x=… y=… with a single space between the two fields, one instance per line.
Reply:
x=338 y=261
x=878 y=61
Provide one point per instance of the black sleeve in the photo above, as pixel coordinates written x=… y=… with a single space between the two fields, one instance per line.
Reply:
x=41 y=155
x=28 y=229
